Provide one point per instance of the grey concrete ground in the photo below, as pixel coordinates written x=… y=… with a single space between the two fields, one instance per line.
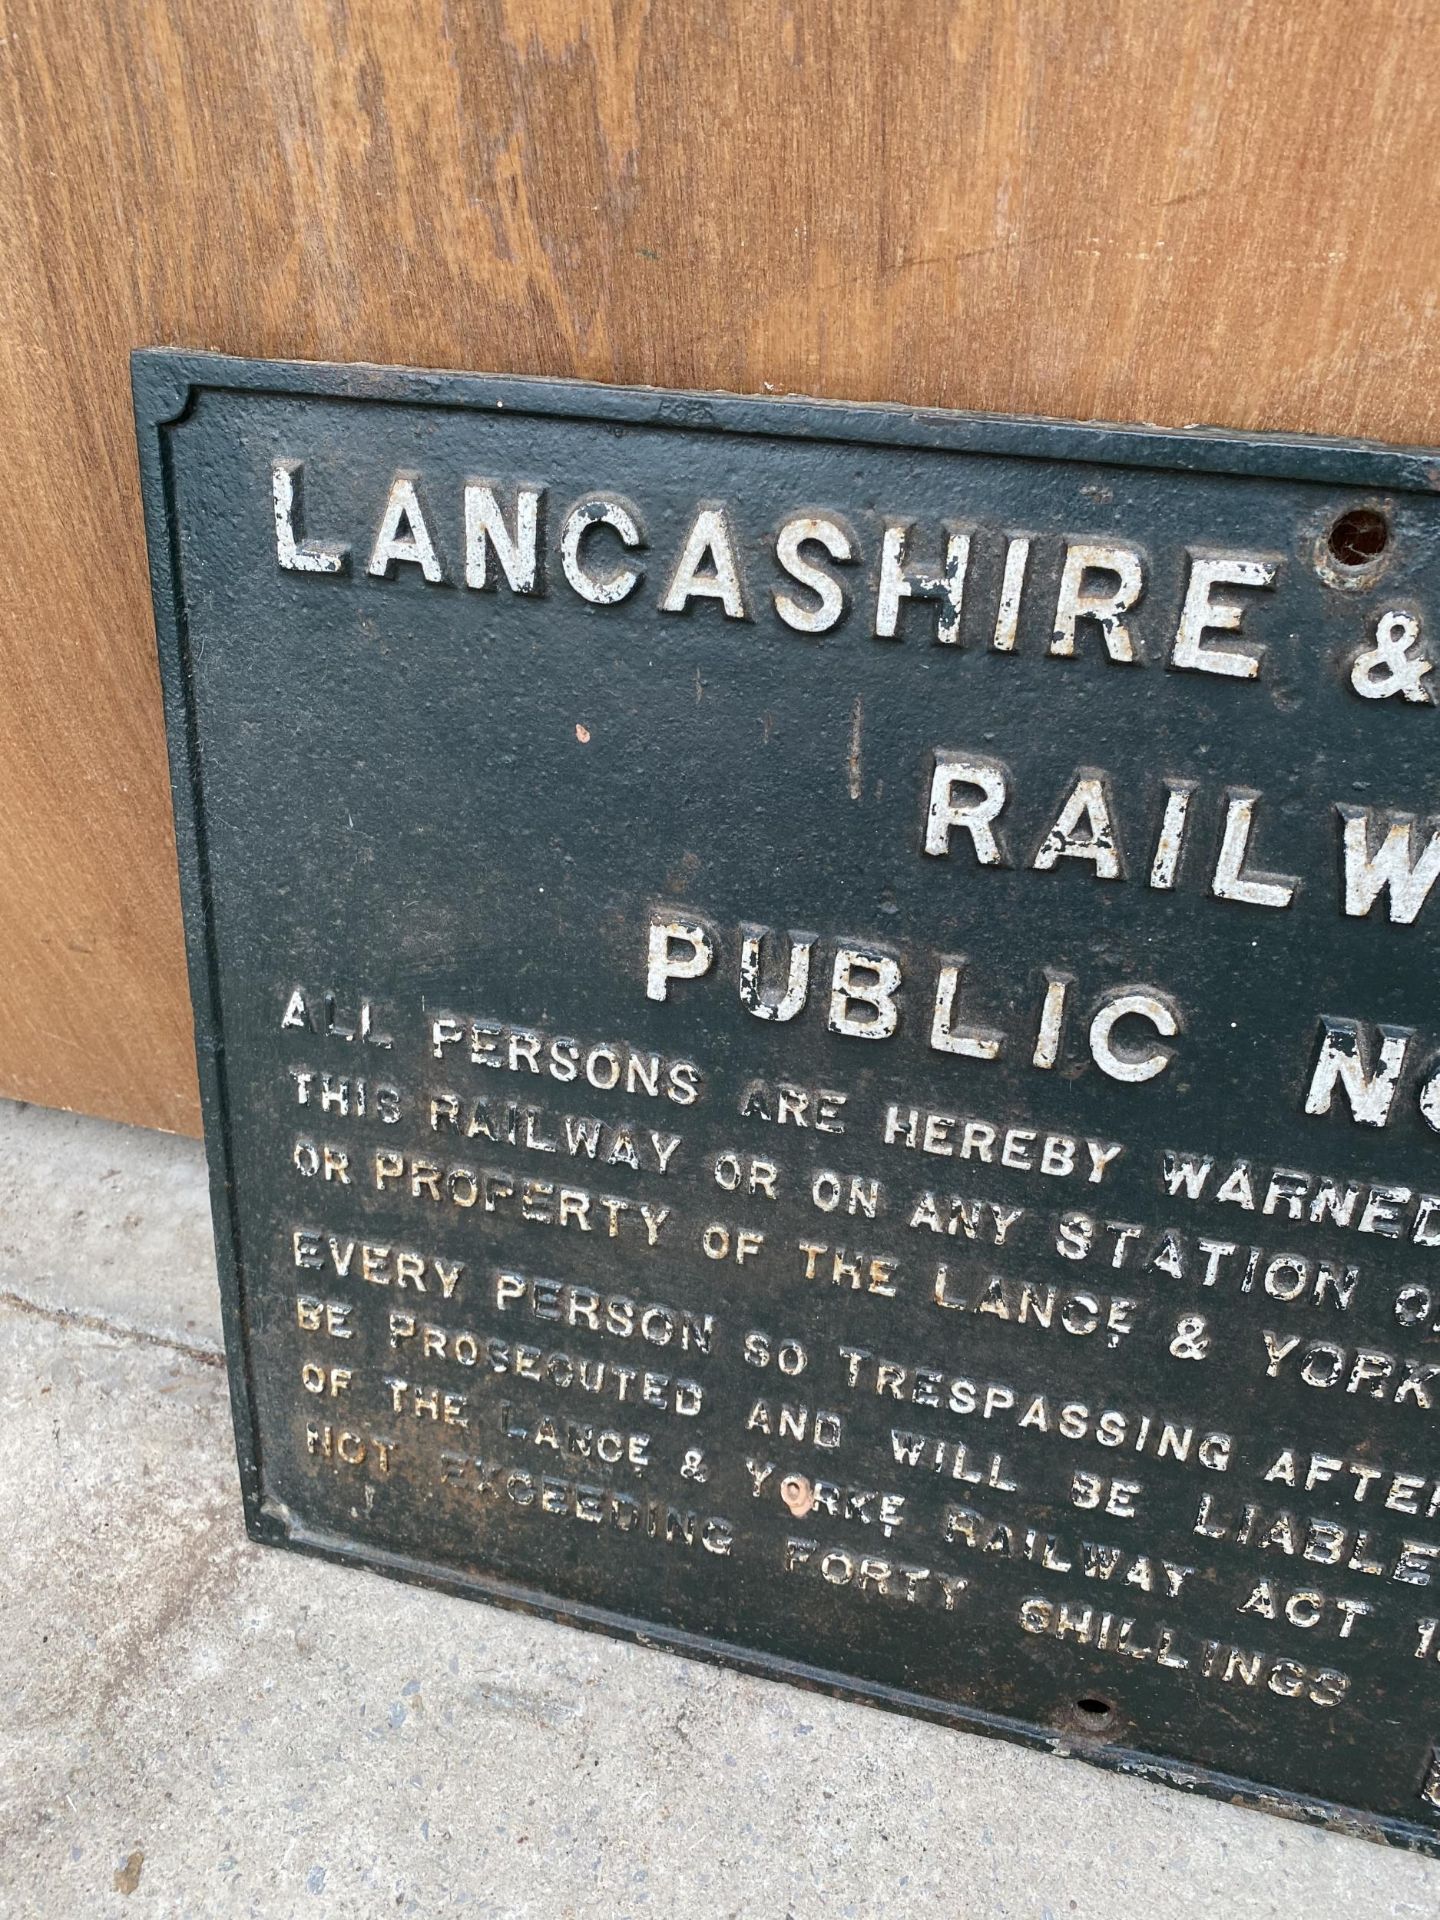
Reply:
x=192 y=1726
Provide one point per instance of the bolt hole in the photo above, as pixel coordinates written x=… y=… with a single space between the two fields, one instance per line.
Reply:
x=1359 y=537
x=1093 y=1708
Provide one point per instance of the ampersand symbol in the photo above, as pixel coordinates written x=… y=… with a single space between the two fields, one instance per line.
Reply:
x=694 y=1466
x=1397 y=663
x=1192 y=1341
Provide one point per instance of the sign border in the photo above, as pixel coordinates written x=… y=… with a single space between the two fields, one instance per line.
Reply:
x=166 y=383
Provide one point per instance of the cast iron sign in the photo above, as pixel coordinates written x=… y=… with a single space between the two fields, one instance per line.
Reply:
x=818 y=1040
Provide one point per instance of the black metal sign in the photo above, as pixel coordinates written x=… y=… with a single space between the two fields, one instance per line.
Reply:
x=818 y=1040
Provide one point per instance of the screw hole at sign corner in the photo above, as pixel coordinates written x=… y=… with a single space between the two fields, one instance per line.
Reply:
x=1093 y=1710
x=1359 y=537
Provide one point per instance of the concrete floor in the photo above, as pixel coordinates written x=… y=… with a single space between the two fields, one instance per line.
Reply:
x=193 y=1726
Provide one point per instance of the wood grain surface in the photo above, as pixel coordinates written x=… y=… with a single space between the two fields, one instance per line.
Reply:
x=1166 y=210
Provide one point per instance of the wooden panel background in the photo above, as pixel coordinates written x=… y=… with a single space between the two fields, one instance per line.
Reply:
x=1166 y=210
